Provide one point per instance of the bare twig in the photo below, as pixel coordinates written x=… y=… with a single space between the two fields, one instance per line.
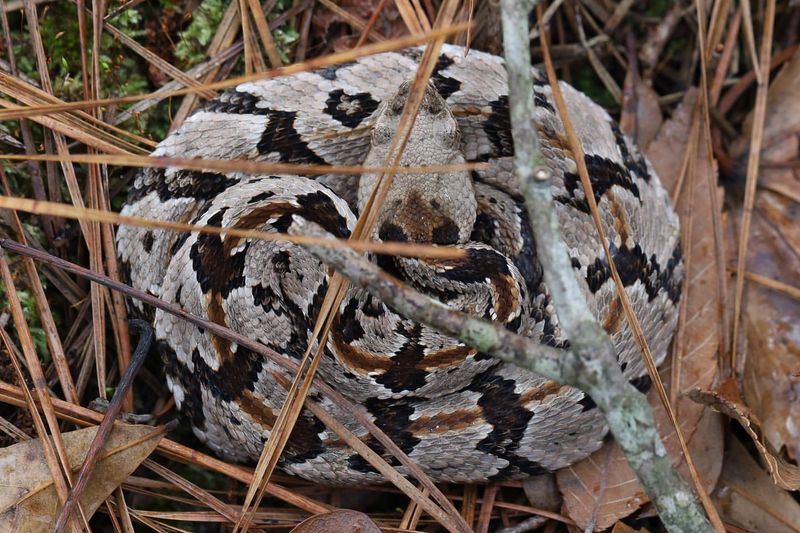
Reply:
x=114 y=407
x=592 y=364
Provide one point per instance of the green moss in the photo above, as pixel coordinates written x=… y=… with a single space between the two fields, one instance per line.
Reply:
x=191 y=49
x=658 y=8
x=30 y=310
x=122 y=73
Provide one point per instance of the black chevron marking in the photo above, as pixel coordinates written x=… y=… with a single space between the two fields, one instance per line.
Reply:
x=502 y=409
x=280 y=137
x=633 y=265
x=349 y=109
x=237 y=103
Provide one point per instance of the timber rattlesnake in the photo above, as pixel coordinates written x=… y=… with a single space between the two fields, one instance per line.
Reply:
x=462 y=415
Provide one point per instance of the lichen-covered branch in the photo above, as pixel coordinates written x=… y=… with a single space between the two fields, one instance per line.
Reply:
x=591 y=364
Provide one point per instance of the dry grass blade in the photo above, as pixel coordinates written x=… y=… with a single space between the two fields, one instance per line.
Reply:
x=225 y=510
x=260 y=19
x=313 y=64
x=371 y=23
x=719 y=15
x=75 y=124
x=45 y=315
x=468 y=503
x=630 y=316
x=96 y=215
x=411 y=516
x=725 y=58
x=716 y=210
x=749 y=34
x=753 y=159
x=487 y=505
x=774 y=284
x=605 y=76
x=249 y=49
x=232 y=165
x=353 y=20
x=409 y=16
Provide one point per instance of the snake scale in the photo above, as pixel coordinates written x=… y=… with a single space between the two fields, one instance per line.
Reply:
x=462 y=415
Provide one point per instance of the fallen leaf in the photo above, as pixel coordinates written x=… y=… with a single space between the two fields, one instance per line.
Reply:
x=727 y=401
x=28 y=500
x=622 y=527
x=781 y=120
x=603 y=489
x=641 y=117
x=542 y=492
x=771 y=382
x=339 y=521
x=747 y=497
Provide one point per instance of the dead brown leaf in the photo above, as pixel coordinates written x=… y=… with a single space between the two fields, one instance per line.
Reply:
x=344 y=520
x=622 y=527
x=770 y=369
x=771 y=378
x=781 y=122
x=28 y=500
x=747 y=497
x=542 y=492
x=641 y=114
x=603 y=489
x=727 y=401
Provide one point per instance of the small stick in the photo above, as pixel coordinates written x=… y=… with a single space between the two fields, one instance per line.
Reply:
x=145 y=331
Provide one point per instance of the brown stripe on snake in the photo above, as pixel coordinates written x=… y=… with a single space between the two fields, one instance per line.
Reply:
x=447 y=421
x=255 y=407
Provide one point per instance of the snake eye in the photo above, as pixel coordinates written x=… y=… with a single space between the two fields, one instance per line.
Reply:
x=381 y=134
x=450 y=133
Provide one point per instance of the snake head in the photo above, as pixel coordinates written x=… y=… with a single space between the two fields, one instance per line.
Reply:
x=423 y=207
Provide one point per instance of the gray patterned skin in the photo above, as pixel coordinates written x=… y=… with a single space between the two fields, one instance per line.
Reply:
x=462 y=415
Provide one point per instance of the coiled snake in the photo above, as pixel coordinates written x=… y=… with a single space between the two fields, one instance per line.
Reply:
x=462 y=415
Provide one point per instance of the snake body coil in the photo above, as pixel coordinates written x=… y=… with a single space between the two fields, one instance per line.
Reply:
x=462 y=415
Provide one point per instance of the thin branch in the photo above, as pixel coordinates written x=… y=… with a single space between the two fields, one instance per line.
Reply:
x=592 y=364
x=104 y=430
